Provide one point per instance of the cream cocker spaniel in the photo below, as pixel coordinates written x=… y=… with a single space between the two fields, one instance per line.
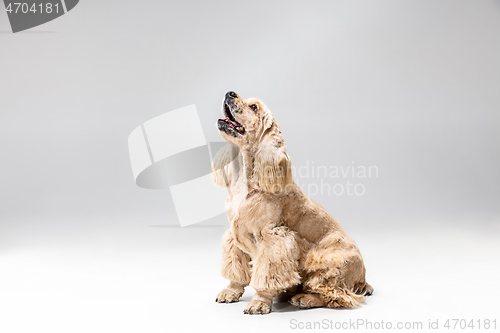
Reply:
x=280 y=242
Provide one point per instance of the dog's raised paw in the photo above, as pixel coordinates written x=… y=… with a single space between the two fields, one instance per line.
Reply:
x=257 y=307
x=228 y=296
x=307 y=301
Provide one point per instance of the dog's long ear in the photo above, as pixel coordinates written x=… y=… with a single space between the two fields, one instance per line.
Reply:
x=272 y=167
x=223 y=165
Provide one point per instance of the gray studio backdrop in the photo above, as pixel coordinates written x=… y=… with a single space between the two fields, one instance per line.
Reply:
x=411 y=87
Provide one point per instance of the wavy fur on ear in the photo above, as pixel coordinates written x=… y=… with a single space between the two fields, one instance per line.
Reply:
x=272 y=167
x=222 y=170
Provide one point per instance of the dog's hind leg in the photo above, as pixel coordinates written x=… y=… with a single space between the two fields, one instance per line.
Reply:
x=365 y=290
x=307 y=301
x=323 y=291
x=334 y=270
x=286 y=295
x=235 y=268
x=331 y=287
x=335 y=296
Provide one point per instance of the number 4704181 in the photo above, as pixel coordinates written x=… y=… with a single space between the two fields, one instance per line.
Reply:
x=25 y=8
x=462 y=324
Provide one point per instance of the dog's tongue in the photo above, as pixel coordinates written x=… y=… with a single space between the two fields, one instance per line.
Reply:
x=231 y=123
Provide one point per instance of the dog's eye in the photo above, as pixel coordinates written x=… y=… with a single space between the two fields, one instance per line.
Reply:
x=253 y=107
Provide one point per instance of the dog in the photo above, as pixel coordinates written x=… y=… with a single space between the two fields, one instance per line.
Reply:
x=280 y=242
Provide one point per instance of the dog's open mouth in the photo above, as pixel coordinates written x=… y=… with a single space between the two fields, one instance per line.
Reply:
x=229 y=123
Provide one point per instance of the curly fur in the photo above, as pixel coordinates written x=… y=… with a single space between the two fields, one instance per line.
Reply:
x=280 y=241
x=236 y=263
x=275 y=266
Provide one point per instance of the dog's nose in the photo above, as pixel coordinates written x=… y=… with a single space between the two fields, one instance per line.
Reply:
x=231 y=94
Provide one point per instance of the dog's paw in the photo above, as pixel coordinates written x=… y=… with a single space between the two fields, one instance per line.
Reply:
x=368 y=290
x=228 y=296
x=307 y=301
x=257 y=307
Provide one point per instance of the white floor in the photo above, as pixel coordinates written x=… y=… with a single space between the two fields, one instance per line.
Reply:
x=165 y=279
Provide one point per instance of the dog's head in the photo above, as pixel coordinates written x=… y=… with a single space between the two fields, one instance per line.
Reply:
x=244 y=120
x=250 y=124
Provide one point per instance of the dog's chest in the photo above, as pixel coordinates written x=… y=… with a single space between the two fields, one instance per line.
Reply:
x=234 y=201
x=237 y=211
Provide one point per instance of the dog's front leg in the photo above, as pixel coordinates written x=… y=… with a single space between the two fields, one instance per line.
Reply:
x=275 y=267
x=235 y=268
